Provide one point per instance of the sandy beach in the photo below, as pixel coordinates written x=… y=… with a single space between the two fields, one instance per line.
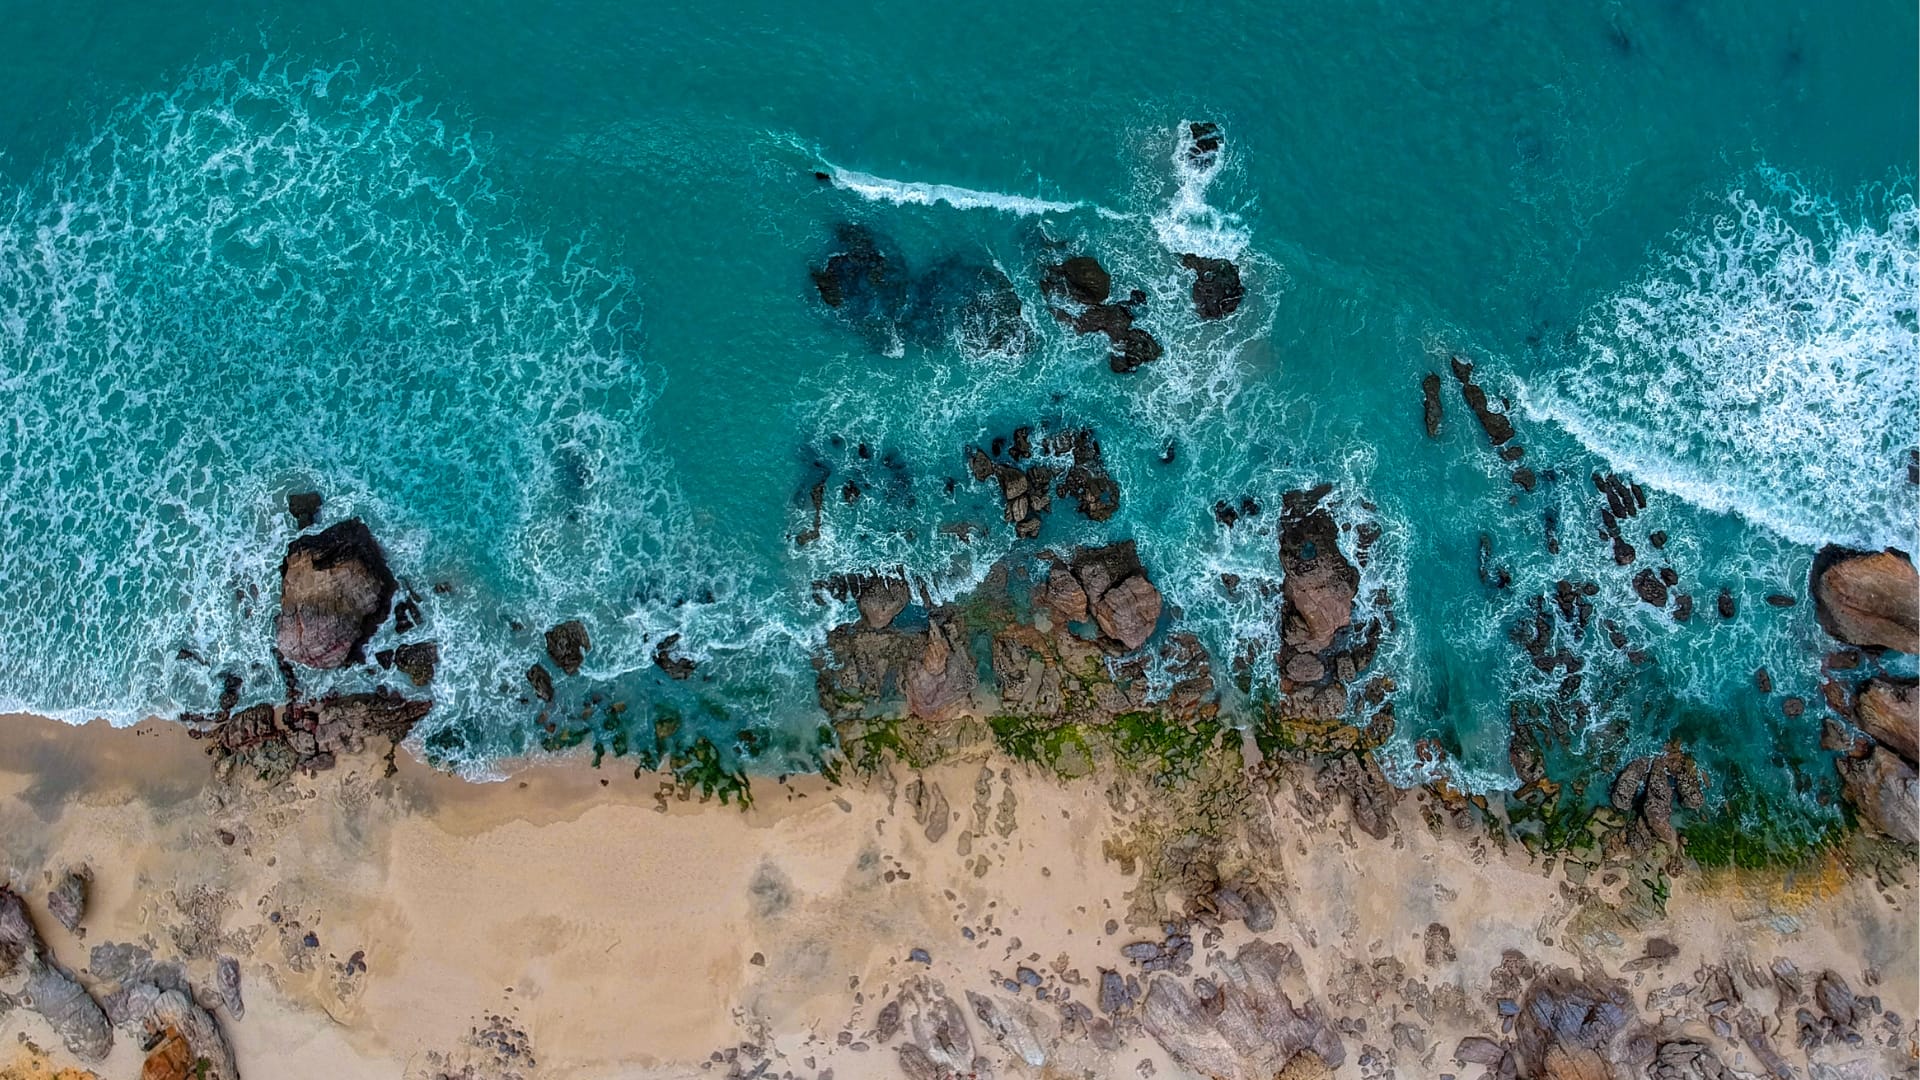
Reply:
x=573 y=922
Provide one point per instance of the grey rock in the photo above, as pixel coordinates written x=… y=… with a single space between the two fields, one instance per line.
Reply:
x=30 y=975
x=67 y=903
x=1243 y=1026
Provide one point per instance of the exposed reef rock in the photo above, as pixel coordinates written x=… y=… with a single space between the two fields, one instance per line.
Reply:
x=1868 y=599
x=1883 y=788
x=1889 y=712
x=1567 y=1027
x=186 y=1042
x=67 y=903
x=1646 y=790
x=869 y=284
x=1028 y=486
x=335 y=592
x=1499 y=429
x=1431 y=409
x=307 y=735
x=1082 y=281
x=568 y=645
x=1320 y=584
x=1217 y=291
x=30 y=976
x=1241 y=1025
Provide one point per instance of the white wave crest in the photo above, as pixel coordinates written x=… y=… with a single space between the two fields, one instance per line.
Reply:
x=917 y=193
x=1769 y=367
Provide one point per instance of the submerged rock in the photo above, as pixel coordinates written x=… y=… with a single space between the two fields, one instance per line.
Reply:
x=30 y=975
x=1868 y=599
x=1083 y=281
x=418 y=661
x=335 y=591
x=305 y=508
x=1499 y=429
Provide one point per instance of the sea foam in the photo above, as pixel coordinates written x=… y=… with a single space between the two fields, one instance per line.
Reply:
x=1766 y=366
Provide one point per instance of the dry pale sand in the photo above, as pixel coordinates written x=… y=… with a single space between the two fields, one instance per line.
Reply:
x=579 y=923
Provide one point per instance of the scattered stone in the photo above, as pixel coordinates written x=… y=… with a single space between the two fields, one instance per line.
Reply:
x=1724 y=604
x=541 y=680
x=667 y=660
x=1498 y=427
x=1430 y=407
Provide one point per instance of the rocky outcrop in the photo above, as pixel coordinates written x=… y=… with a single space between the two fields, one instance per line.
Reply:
x=1217 y=291
x=1320 y=584
x=1121 y=600
x=1566 y=1027
x=1647 y=789
x=937 y=1044
x=1027 y=486
x=1889 y=711
x=31 y=977
x=1083 y=282
x=305 y=508
x=335 y=591
x=1884 y=789
x=306 y=735
x=1499 y=429
x=1868 y=599
x=186 y=1041
x=1431 y=409
x=568 y=645
x=1241 y=1024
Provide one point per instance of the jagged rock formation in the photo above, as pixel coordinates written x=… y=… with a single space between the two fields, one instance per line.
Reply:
x=306 y=735
x=67 y=903
x=1241 y=1025
x=1083 y=282
x=30 y=976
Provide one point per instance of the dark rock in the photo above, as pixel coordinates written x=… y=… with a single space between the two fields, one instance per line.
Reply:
x=1648 y=586
x=335 y=591
x=1499 y=429
x=1524 y=477
x=418 y=661
x=1081 y=279
x=676 y=666
x=1794 y=707
x=861 y=279
x=1217 y=291
x=1870 y=600
x=1682 y=607
x=305 y=508
x=1724 y=605
x=1658 y=538
x=1762 y=681
x=31 y=976
x=568 y=645
x=1087 y=481
x=1780 y=600
x=1566 y=1027
x=541 y=680
x=1430 y=407
x=1203 y=144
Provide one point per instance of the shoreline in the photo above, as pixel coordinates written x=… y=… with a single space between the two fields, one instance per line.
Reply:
x=613 y=927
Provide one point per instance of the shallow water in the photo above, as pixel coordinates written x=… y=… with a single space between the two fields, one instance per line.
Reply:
x=532 y=295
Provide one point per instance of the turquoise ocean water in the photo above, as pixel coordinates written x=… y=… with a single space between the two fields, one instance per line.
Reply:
x=529 y=291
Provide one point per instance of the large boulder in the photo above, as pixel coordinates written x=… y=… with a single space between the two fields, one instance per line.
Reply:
x=30 y=975
x=1567 y=1026
x=1241 y=1025
x=1129 y=611
x=1320 y=584
x=1885 y=790
x=568 y=645
x=335 y=591
x=1890 y=712
x=1217 y=291
x=1868 y=599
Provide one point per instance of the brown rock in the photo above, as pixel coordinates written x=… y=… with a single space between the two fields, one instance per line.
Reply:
x=1320 y=584
x=418 y=661
x=335 y=591
x=1129 y=611
x=1885 y=790
x=1871 y=600
x=1890 y=712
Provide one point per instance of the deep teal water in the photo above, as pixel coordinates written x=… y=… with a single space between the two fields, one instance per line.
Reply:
x=530 y=292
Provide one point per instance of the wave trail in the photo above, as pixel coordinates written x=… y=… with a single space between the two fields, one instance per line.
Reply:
x=917 y=193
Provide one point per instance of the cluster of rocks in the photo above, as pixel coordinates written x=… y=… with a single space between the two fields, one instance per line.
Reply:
x=1083 y=283
x=1322 y=650
x=567 y=646
x=1240 y=1023
x=181 y=1039
x=1646 y=791
x=1871 y=600
x=336 y=593
x=1027 y=486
